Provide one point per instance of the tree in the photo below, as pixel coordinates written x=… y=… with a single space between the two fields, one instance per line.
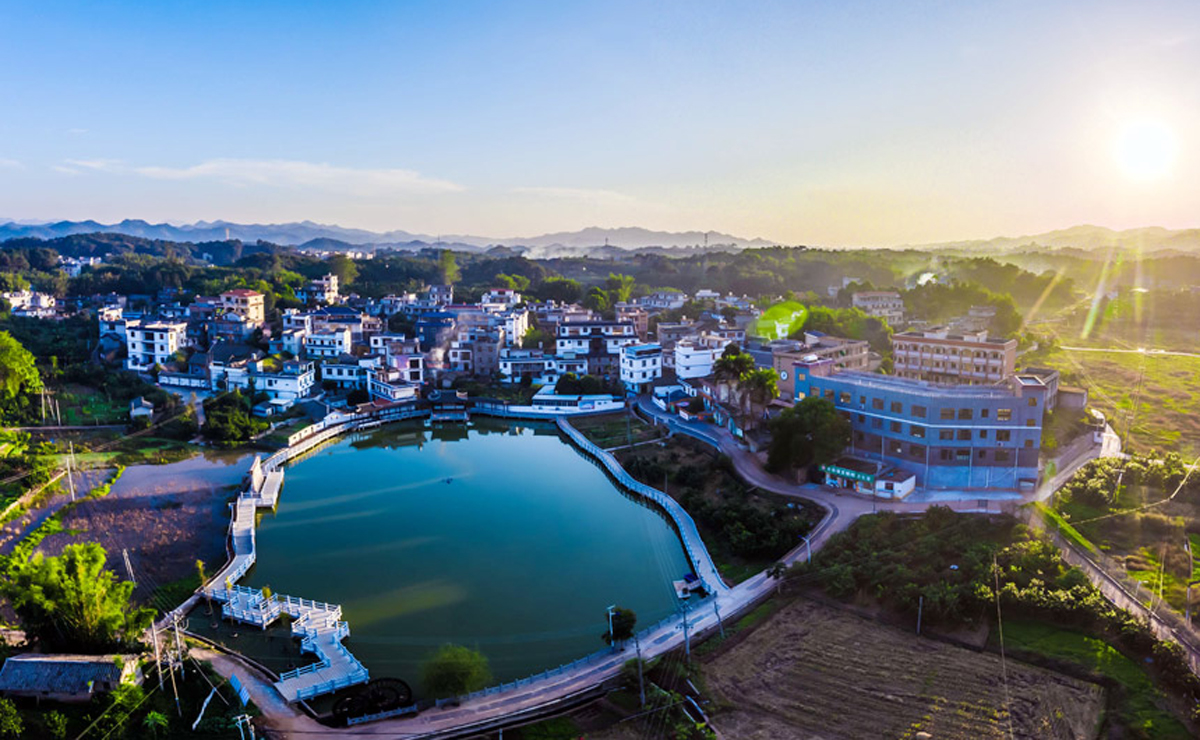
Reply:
x=344 y=268
x=619 y=287
x=71 y=601
x=455 y=670
x=731 y=368
x=18 y=370
x=597 y=299
x=563 y=290
x=760 y=387
x=155 y=723
x=811 y=432
x=56 y=725
x=227 y=419
x=11 y=724
x=519 y=283
x=448 y=267
x=623 y=623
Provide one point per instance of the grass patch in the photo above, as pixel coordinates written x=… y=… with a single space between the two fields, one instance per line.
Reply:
x=1139 y=709
x=615 y=430
x=748 y=621
x=1168 y=415
x=1056 y=520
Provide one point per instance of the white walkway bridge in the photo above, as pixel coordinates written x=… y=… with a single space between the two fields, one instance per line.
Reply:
x=318 y=625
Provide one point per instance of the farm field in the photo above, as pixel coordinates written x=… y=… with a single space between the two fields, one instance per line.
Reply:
x=1168 y=413
x=615 y=430
x=812 y=670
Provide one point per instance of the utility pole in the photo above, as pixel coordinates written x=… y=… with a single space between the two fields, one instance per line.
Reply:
x=687 y=640
x=720 y=624
x=71 y=476
x=641 y=681
x=157 y=655
x=807 y=549
x=612 y=637
x=920 y=608
x=128 y=567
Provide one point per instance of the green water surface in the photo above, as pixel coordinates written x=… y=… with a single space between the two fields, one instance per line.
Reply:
x=503 y=538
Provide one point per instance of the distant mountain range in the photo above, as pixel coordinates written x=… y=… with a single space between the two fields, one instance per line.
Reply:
x=1086 y=238
x=314 y=234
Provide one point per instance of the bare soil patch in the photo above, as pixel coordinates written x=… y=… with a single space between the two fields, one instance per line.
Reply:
x=813 y=671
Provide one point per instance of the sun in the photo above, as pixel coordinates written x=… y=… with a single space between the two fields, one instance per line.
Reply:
x=1145 y=150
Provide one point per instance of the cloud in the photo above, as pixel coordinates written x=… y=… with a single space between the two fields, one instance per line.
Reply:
x=10 y=164
x=285 y=173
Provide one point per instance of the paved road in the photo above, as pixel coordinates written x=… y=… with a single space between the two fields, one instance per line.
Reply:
x=841 y=510
x=1143 y=351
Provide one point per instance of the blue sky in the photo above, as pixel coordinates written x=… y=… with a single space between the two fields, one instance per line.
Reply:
x=838 y=124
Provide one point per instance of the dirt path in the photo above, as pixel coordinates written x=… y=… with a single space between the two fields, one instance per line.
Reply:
x=814 y=671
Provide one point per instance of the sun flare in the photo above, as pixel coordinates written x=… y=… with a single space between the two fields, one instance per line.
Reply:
x=1145 y=150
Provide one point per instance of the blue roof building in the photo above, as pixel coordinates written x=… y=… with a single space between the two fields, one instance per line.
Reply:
x=950 y=437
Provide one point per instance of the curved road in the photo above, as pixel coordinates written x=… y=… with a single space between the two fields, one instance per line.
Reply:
x=284 y=720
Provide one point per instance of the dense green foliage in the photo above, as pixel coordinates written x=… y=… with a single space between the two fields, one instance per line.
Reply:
x=19 y=380
x=455 y=670
x=588 y=385
x=809 y=433
x=849 y=323
x=227 y=419
x=624 y=624
x=1101 y=482
x=70 y=602
x=941 y=302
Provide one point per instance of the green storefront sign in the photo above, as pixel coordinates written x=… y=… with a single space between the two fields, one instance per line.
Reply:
x=848 y=474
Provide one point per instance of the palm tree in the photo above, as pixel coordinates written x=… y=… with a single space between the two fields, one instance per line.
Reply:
x=731 y=367
x=760 y=386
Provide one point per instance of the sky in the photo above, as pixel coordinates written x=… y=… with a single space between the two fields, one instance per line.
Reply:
x=832 y=124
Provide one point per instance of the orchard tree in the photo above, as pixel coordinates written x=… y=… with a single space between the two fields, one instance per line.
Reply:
x=455 y=670
x=18 y=377
x=72 y=602
x=623 y=623
x=810 y=433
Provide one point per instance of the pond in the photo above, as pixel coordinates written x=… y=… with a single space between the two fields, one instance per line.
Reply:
x=500 y=537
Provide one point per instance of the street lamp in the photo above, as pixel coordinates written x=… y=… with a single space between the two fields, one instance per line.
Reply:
x=612 y=638
x=808 y=549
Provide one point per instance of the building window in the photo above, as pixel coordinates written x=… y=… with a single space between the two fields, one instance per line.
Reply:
x=1003 y=435
x=917 y=431
x=962 y=454
x=983 y=434
x=1004 y=415
x=946 y=414
x=916 y=450
x=862 y=400
x=983 y=413
x=895 y=427
x=1030 y=423
x=964 y=435
x=918 y=411
x=897 y=448
x=946 y=434
x=965 y=414
x=877 y=404
x=897 y=407
x=1028 y=443
x=862 y=419
x=844 y=397
x=877 y=423
x=945 y=454
x=1002 y=455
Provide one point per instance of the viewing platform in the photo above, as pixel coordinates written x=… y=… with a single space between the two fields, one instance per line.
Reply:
x=318 y=624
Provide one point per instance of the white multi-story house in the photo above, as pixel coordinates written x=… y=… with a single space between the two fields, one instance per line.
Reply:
x=249 y=304
x=515 y=323
x=500 y=297
x=393 y=304
x=292 y=380
x=641 y=365
x=694 y=360
x=882 y=304
x=331 y=342
x=350 y=372
x=150 y=343
x=664 y=300
x=322 y=290
x=599 y=341
x=539 y=367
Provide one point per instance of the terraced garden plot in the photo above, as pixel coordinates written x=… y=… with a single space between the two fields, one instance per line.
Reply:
x=815 y=671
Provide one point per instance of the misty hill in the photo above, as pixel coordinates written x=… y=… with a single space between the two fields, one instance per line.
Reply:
x=1084 y=238
x=296 y=234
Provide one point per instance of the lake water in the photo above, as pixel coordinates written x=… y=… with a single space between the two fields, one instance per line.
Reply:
x=502 y=538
